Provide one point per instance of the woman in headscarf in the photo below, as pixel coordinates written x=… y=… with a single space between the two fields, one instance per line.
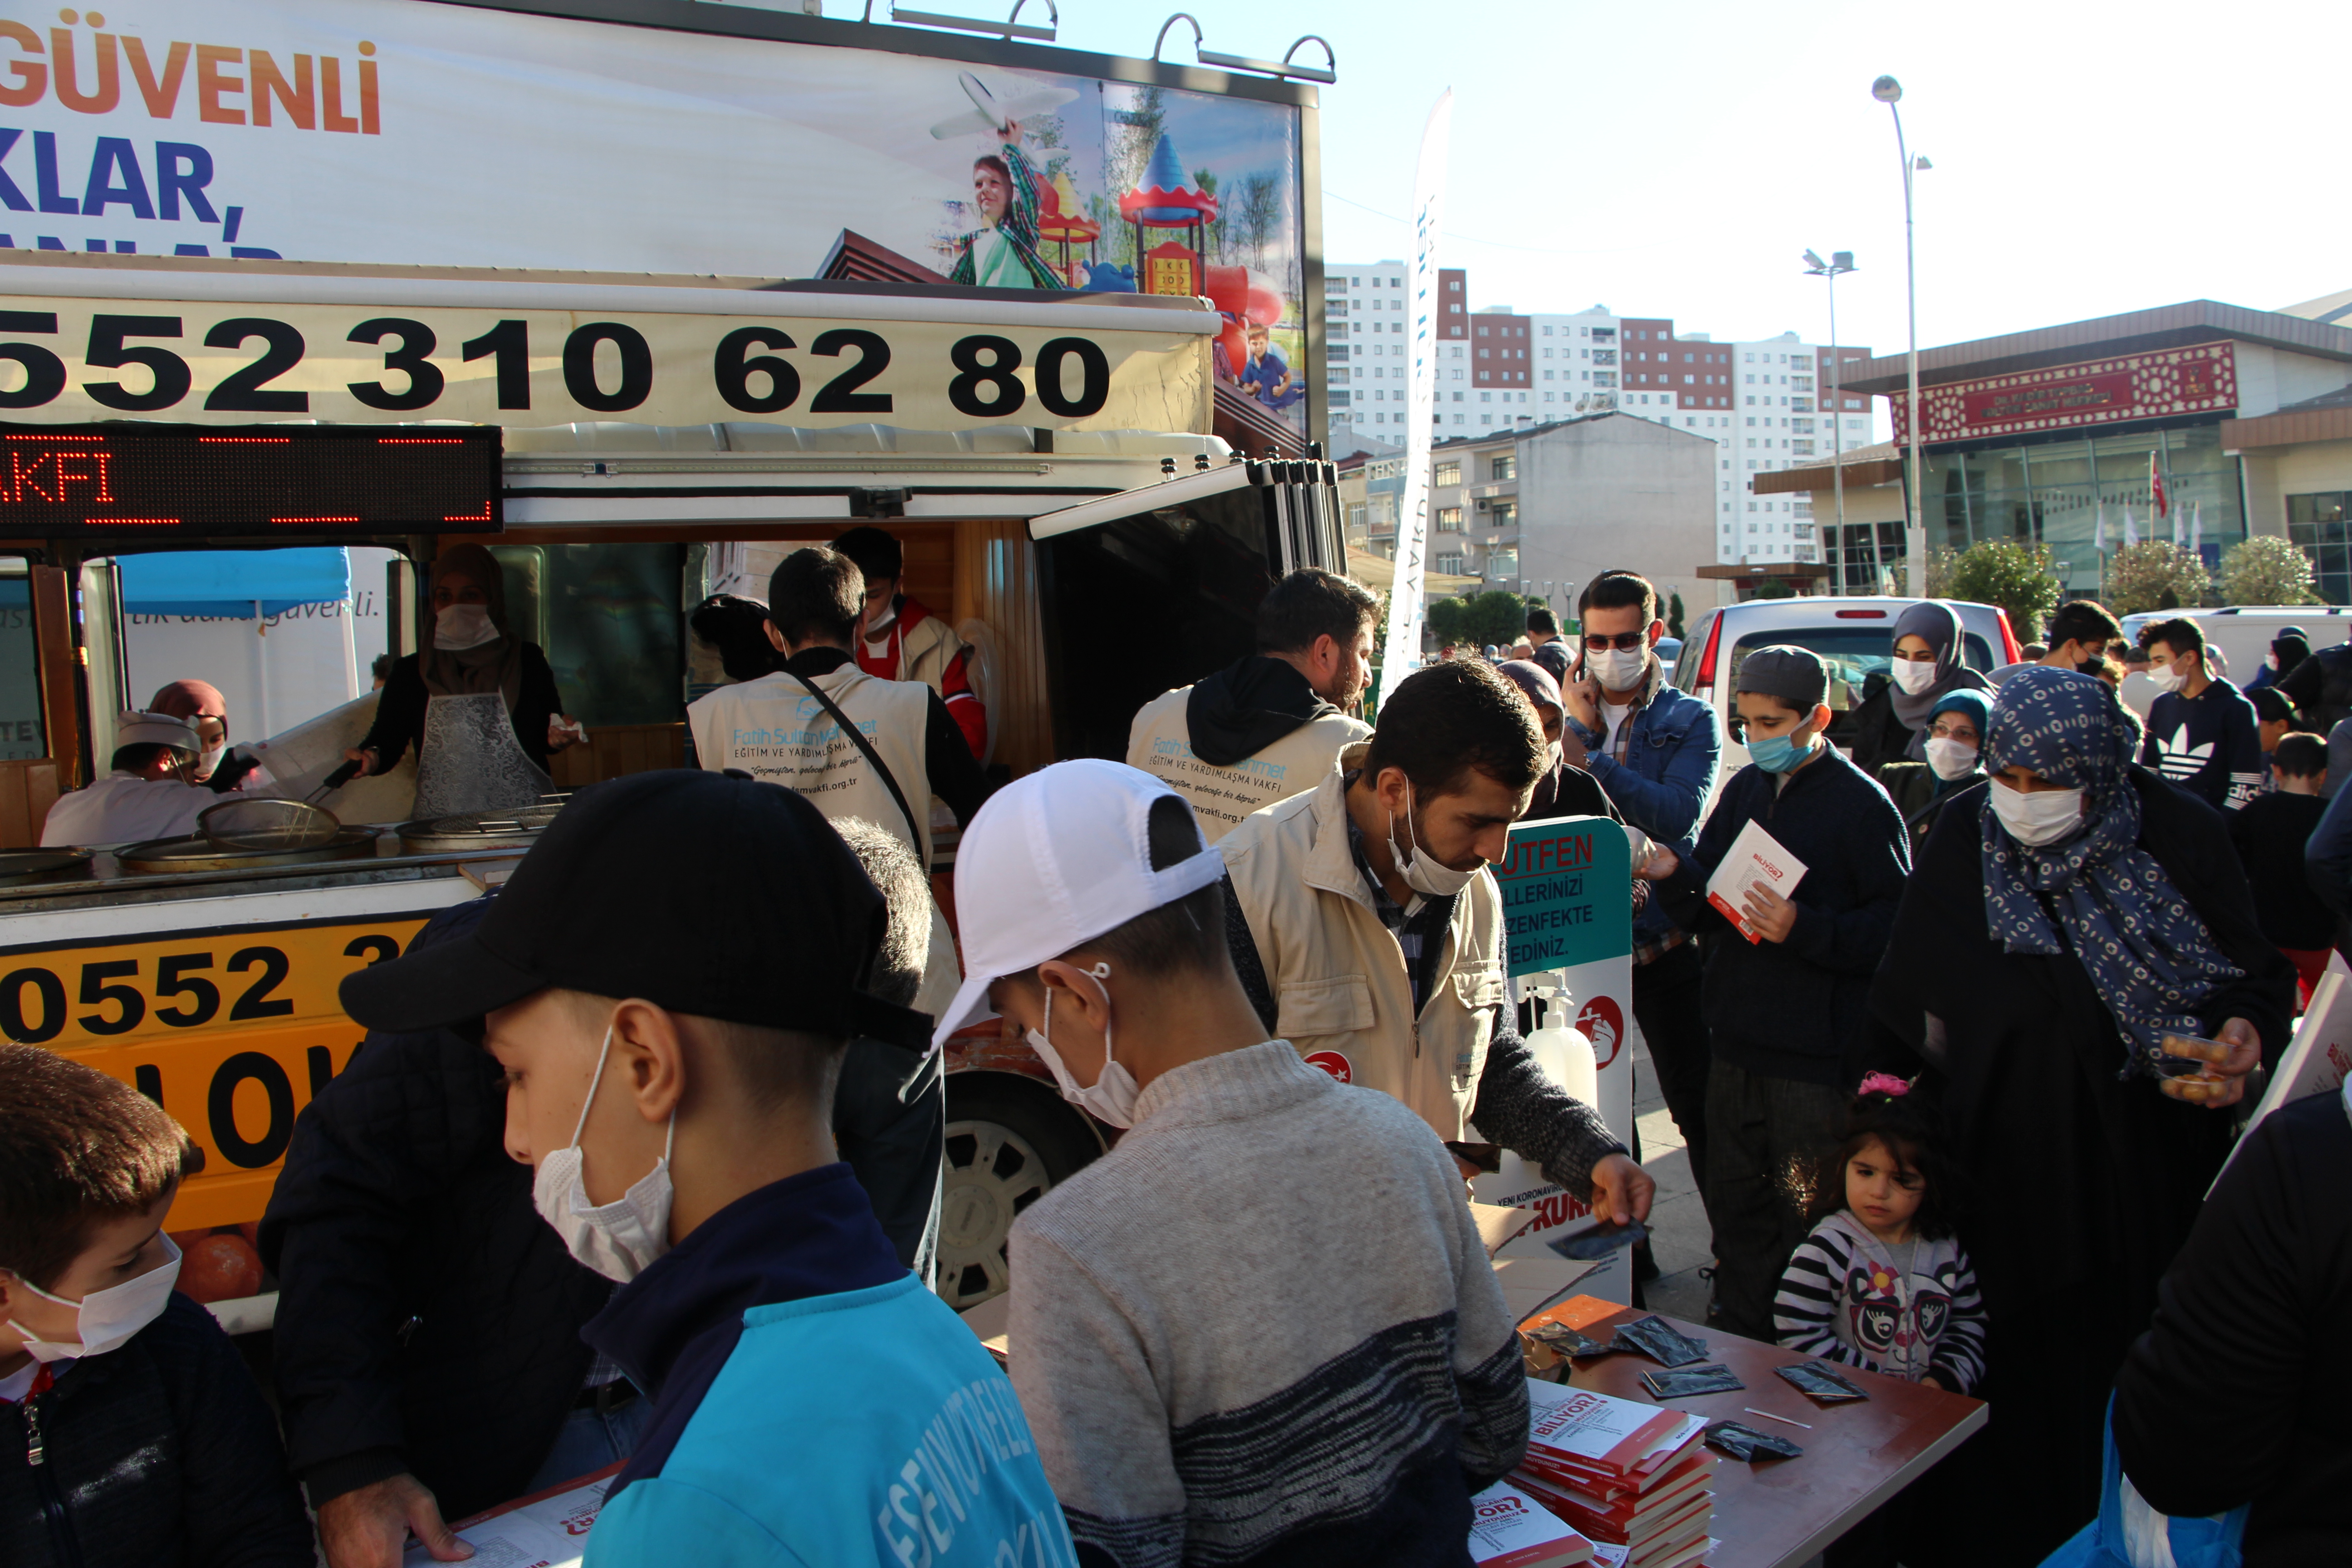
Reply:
x=1954 y=746
x=1892 y=726
x=2289 y=649
x=478 y=703
x=202 y=705
x=2063 y=920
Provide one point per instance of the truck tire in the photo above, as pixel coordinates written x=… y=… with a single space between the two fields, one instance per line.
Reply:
x=1009 y=1140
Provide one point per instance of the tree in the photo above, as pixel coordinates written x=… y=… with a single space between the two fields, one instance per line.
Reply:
x=2140 y=577
x=1477 y=619
x=1675 y=614
x=2015 y=577
x=1775 y=588
x=1940 y=562
x=2267 y=570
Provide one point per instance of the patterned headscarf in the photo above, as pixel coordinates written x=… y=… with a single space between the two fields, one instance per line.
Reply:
x=2148 y=953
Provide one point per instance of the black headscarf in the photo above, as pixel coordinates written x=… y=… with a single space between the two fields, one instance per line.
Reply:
x=1937 y=624
x=494 y=665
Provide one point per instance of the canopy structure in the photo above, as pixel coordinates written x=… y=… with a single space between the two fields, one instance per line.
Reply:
x=232 y=583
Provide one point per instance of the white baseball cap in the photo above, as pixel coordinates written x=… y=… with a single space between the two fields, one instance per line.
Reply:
x=1054 y=860
x=136 y=729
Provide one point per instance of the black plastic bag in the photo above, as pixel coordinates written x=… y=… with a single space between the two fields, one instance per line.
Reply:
x=1819 y=1380
x=1690 y=1382
x=1661 y=1341
x=1564 y=1340
x=1744 y=1442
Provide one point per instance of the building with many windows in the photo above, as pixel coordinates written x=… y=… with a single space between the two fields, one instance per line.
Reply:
x=1765 y=404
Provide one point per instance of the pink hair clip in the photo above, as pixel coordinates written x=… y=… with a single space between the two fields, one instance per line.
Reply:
x=1886 y=1084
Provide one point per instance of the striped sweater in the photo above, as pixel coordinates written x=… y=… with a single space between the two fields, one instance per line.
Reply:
x=1911 y=1312
x=1262 y=1330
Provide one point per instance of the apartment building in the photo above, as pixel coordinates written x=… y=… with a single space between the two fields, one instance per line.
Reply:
x=1766 y=404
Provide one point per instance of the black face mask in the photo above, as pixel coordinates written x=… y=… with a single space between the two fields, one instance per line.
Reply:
x=2092 y=665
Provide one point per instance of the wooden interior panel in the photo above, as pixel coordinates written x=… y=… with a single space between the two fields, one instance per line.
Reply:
x=28 y=790
x=996 y=582
x=616 y=749
x=61 y=669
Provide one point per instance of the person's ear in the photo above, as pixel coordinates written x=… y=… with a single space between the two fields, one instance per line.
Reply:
x=1820 y=718
x=649 y=1057
x=1324 y=656
x=1657 y=630
x=1392 y=790
x=775 y=638
x=1077 y=994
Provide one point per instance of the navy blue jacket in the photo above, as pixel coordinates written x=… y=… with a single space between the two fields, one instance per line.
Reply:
x=1669 y=770
x=159 y=1454
x=1799 y=1009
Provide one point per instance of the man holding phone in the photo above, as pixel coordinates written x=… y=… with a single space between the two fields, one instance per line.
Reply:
x=1655 y=751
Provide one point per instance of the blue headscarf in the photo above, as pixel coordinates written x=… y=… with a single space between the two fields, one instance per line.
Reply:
x=2148 y=953
x=1977 y=707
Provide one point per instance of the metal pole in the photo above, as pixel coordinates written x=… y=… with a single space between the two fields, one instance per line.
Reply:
x=1915 y=550
x=1837 y=444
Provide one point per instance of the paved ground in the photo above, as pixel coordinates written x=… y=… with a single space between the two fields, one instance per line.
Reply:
x=1679 y=1230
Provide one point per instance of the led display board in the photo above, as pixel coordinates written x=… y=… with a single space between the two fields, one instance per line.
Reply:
x=163 y=481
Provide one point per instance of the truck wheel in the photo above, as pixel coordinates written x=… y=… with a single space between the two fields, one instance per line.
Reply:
x=1008 y=1142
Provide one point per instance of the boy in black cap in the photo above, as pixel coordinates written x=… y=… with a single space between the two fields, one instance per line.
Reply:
x=671 y=1058
x=1787 y=1010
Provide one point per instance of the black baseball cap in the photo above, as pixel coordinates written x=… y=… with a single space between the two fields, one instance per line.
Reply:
x=701 y=892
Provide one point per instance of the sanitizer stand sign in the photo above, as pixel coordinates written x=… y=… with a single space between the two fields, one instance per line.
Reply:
x=1568 y=915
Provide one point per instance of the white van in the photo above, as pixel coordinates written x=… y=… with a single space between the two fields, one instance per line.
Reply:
x=2243 y=632
x=1854 y=636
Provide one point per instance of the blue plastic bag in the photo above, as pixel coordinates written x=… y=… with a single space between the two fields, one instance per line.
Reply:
x=2130 y=1535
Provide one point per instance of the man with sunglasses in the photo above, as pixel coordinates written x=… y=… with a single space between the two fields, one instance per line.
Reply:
x=1655 y=751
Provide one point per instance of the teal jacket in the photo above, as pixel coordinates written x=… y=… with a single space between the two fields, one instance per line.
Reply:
x=813 y=1405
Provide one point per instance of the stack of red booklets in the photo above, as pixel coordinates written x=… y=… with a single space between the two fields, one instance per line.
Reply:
x=1633 y=1475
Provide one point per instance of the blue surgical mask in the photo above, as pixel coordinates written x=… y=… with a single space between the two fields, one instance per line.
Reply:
x=1779 y=754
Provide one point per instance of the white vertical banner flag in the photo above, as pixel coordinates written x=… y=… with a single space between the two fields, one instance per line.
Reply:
x=2196 y=527
x=2131 y=534
x=2099 y=530
x=1402 y=652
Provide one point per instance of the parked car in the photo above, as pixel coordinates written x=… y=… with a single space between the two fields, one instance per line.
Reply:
x=1855 y=636
x=2243 y=632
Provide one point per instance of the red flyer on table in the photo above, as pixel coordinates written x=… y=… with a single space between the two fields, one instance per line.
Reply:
x=1756 y=860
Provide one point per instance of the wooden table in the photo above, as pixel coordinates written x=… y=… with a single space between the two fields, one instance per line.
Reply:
x=1776 y=1513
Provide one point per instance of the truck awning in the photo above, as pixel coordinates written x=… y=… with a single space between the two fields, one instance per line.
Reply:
x=228 y=583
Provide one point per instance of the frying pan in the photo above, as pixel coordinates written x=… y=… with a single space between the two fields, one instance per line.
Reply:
x=267 y=826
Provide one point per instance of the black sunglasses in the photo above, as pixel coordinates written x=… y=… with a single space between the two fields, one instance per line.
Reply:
x=1602 y=640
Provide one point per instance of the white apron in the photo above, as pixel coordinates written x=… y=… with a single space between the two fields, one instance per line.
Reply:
x=470 y=760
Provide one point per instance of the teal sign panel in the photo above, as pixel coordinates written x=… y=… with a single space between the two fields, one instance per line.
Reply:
x=1567 y=893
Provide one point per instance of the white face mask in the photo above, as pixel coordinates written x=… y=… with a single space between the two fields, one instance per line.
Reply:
x=107 y=1318
x=456 y=626
x=210 y=760
x=618 y=1240
x=1421 y=874
x=2042 y=817
x=1618 y=669
x=2272 y=660
x=1915 y=674
x=1110 y=1099
x=1950 y=759
x=2168 y=677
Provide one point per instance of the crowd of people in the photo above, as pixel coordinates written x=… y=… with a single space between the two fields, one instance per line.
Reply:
x=642 y=1168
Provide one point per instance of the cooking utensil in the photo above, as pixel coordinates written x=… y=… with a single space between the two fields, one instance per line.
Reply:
x=196 y=852
x=269 y=826
x=21 y=867
x=478 y=829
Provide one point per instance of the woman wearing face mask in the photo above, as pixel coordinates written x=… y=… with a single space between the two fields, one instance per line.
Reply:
x=1565 y=789
x=2063 y=920
x=1955 y=748
x=1891 y=725
x=479 y=704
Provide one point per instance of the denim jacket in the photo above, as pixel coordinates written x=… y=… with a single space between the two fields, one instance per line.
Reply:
x=1663 y=785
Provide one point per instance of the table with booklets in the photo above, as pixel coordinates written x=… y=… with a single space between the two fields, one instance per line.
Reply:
x=1856 y=1455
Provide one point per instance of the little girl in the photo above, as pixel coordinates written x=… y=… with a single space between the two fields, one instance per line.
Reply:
x=1880 y=1283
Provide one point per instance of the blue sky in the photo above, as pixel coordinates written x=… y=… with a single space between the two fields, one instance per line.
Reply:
x=1677 y=158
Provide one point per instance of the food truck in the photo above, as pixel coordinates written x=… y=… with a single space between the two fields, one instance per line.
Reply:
x=1094 y=543
x=737 y=279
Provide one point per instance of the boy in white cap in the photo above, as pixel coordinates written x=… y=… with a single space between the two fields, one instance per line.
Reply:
x=1176 y=1322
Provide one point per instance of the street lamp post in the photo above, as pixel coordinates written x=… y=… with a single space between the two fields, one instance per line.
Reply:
x=1838 y=261
x=1889 y=92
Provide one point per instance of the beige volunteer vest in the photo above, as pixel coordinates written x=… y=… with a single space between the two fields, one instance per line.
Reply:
x=1341 y=993
x=1161 y=743
x=773 y=729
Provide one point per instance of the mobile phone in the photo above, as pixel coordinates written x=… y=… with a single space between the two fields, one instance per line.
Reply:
x=1486 y=1157
x=1590 y=1246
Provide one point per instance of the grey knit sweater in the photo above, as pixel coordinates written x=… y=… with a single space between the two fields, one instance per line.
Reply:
x=1262 y=1330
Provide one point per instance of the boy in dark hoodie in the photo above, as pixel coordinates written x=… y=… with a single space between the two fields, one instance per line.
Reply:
x=1787 y=1000
x=1272 y=725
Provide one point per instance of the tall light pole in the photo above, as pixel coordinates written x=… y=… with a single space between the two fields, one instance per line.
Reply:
x=1838 y=261
x=1889 y=92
